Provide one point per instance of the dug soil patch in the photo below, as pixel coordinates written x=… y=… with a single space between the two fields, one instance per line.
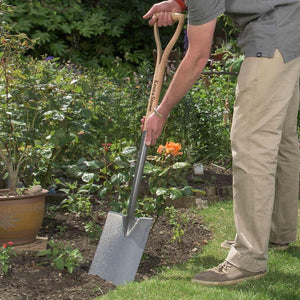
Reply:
x=32 y=277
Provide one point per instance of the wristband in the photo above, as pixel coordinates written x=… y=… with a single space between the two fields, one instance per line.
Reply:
x=181 y=4
x=157 y=113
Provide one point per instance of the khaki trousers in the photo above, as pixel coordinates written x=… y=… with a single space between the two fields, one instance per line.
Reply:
x=265 y=159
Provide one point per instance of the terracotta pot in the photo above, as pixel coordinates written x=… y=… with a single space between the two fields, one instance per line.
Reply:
x=21 y=217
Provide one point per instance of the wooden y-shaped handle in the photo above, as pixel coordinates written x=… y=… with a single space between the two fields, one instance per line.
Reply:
x=161 y=62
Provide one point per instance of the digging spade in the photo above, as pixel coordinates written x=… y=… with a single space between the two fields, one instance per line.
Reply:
x=123 y=238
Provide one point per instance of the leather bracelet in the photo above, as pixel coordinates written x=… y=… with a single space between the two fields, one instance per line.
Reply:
x=157 y=113
x=182 y=5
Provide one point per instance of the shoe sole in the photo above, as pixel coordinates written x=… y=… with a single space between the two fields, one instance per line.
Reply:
x=229 y=282
x=279 y=247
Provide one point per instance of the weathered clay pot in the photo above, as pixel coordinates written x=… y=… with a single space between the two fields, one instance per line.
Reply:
x=21 y=217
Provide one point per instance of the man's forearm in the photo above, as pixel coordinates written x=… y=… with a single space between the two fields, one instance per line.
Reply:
x=200 y=38
x=186 y=75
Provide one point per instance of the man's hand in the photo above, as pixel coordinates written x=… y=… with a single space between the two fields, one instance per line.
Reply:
x=154 y=128
x=163 y=9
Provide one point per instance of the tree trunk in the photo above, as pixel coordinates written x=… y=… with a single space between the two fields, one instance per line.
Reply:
x=13 y=182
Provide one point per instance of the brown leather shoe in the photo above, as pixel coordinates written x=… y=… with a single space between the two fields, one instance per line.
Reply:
x=225 y=274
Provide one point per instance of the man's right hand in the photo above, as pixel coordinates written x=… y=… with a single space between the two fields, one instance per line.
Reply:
x=154 y=129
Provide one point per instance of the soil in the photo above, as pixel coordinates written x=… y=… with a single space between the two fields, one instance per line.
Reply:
x=33 y=277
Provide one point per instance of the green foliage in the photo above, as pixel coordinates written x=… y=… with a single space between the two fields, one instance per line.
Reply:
x=6 y=253
x=93 y=230
x=166 y=178
x=18 y=116
x=62 y=256
x=148 y=206
x=165 y=170
x=63 y=117
x=42 y=114
x=87 y=32
x=109 y=175
x=166 y=175
x=117 y=175
x=202 y=120
x=156 y=204
x=91 y=32
x=47 y=109
x=117 y=100
x=77 y=200
x=178 y=221
x=226 y=34
x=77 y=203
x=73 y=112
x=79 y=111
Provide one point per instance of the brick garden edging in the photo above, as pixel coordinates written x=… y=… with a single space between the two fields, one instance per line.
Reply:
x=202 y=200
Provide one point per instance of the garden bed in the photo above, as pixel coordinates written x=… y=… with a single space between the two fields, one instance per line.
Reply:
x=32 y=276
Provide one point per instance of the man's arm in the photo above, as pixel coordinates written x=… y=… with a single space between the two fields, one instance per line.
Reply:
x=200 y=40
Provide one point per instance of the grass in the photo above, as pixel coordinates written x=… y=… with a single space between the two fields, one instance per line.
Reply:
x=281 y=282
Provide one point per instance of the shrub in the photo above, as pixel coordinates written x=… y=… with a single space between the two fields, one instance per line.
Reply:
x=87 y=32
x=62 y=256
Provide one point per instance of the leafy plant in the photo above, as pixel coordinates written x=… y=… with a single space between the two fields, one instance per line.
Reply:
x=86 y=32
x=62 y=229
x=17 y=118
x=77 y=200
x=202 y=121
x=62 y=256
x=93 y=230
x=6 y=252
x=118 y=173
x=41 y=114
x=149 y=206
x=108 y=174
x=165 y=176
x=165 y=170
x=178 y=222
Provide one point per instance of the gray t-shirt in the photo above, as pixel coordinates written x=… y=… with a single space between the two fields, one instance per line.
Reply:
x=266 y=25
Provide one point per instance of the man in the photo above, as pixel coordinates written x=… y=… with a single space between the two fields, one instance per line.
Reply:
x=264 y=127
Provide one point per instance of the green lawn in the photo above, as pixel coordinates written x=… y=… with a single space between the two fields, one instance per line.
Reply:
x=281 y=282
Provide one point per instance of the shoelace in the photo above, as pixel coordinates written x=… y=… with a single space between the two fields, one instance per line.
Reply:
x=224 y=266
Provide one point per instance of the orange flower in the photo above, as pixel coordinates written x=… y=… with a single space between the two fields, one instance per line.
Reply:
x=173 y=148
x=170 y=148
x=160 y=149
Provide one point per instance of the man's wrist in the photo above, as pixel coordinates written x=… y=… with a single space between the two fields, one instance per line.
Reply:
x=182 y=5
x=161 y=113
